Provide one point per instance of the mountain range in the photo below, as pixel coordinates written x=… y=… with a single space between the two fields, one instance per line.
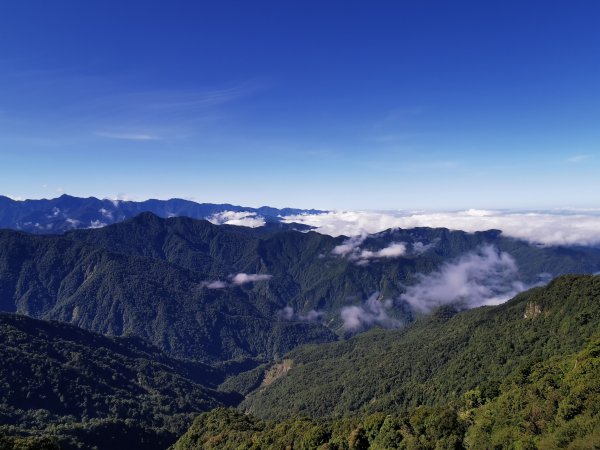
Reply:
x=215 y=293
x=126 y=332
x=57 y=215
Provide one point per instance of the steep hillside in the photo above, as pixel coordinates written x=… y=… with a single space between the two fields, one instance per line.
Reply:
x=436 y=359
x=550 y=405
x=60 y=380
x=117 y=294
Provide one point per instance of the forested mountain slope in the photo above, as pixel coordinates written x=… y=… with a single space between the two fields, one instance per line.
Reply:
x=522 y=374
x=435 y=360
x=549 y=405
x=60 y=380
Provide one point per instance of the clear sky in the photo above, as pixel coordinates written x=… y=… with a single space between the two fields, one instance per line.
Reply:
x=326 y=104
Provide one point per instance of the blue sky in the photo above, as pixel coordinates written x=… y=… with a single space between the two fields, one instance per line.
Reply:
x=327 y=104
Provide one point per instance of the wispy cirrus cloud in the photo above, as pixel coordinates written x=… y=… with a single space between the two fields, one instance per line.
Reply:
x=186 y=99
x=127 y=136
x=578 y=158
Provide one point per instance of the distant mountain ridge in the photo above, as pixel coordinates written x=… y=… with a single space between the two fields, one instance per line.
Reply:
x=57 y=215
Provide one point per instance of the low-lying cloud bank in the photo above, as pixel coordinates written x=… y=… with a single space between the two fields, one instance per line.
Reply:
x=236 y=280
x=549 y=228
x=371 y=313
x=243 y=278
x=350 y=248
x=241 y=218
x=483 y=277
x=289 y=314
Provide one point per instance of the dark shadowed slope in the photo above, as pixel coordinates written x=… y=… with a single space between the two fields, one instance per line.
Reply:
x=60 y=379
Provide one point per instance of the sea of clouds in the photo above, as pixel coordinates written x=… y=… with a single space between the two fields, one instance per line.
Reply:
x=544 y=227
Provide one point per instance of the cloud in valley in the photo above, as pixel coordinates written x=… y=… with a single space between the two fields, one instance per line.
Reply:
x=236 y=280
x=350 y=248
x=289 y=314
x=483 y=277
x=370 y=313
x=580 y=227
x=216 y=284
x=394 y=250
x=419 y=248
x=97 y=224
x=244 y=278
x=240 y=218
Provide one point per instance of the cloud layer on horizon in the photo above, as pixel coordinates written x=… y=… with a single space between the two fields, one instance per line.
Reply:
x=549 y=228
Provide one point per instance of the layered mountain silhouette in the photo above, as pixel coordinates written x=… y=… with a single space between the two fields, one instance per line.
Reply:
x=57 y=215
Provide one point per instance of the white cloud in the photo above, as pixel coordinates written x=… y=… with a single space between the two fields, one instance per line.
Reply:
x=289 y=314
x=372 y=312
x=483 y=277
x=97 y=224
x=394 y=250
x=243 y=278
x=106 y=213
x=128 y=136
x=576 y=227
x=240 y=218
x=419 y=248
x=236 y=280
x=74 y=223
x=349 y=246
x=216 y=284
